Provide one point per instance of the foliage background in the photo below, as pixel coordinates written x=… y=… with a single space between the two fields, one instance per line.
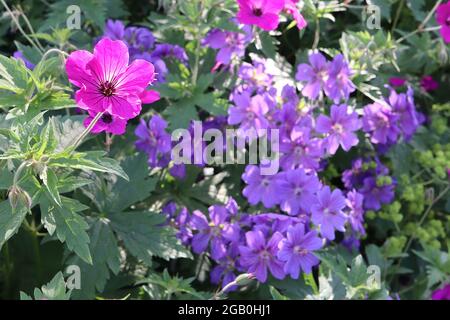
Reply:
x=129 y=254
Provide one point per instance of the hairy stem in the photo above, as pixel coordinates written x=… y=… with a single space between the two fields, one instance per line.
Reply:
x=19 y=27
x=86 y=131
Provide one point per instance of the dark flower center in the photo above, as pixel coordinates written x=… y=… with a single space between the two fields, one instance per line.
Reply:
x=107 y=89
x=298 y=151
x=257 y=12
x=447 y=22
x=107 y=118
x=300 y=251
x=265 y=255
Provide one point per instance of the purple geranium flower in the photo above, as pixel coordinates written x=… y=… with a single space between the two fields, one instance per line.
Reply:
x=230 y=44
x=356 y=213
x=259 y=187
x=248 y=112
x=296 y=189
x=380 y=122
x=270 y=223
x=259 y=255
x=170 y=51
x=218 y=231
x=339 y=86
x=404 y=107
x=375 y=196
x=351 y=242
x=314 y=75
x=339 y=128
x=19 y=56
x=296 y=250
x=300 y=150
x=153 y=139
x=139 y=40
x=255 y=75
x=115 y=30
x=327 y=212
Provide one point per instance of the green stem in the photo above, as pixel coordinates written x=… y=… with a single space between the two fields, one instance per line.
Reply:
x=18 y=173
x=7 y=271
x=37 y=255
x=30 y=27
x=19 y=27
x=316 y=35
x=86 y=131
x=48 y=52
x=197 y=38
x=31 y=228
x=423 y=24
x=397 y=15
x=416 y=32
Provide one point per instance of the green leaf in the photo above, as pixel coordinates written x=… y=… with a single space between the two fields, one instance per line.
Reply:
x=181 y=113
x=417 y=8
x=70 y=183
x=48 y=140
x=66 y=129
x=276 y=295
x=89 y=161
x=10 y=221
x=54 y=290
x=70 y=227
x=13 y=74
x=105 y=257
x=51 y=185
x=330 y=287
x=208 y=102
x=125 y=193
x=267 y=45
x=171 y=286
x=145 y=236
x=292 y=289
x=93 y=11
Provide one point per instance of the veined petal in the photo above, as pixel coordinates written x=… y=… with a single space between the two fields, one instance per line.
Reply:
x=111 y=59
x=136 y=77
x=76 y=68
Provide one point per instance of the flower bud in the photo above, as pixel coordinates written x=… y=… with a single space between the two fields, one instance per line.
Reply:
x=18 y=196
x=244 y=279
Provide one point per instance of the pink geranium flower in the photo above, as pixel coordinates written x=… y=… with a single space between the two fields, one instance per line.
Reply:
x=107 y=83
x=263 y=13
x=443 y=18
x=428 y=83
x=291 y=8
x=397 y=81
x=107 y=122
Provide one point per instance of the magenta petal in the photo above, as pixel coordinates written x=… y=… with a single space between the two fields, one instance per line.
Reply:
x=136 y=77
x=76 y=68
x=149 y=96
x=111 y=59
x=97 y=128
x=117 y=127
x=125 y=107
x=91 y=99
